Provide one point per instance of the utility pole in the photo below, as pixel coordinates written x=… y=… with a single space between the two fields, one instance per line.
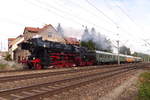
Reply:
x=118 y=47
x=1 y=46
x=118 y=52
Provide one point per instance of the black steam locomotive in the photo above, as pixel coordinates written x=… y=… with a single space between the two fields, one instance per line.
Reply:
x=47 y=53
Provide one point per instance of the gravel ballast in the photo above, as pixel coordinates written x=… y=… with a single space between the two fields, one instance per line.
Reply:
x=95 y=91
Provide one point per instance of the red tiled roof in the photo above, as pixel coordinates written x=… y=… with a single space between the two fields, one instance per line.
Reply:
x=32 y=29
x=36 y=30
x=72 y=41
x=11 y=39
x=45 y=27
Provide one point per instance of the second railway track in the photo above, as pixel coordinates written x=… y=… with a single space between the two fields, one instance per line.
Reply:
x=51 y=88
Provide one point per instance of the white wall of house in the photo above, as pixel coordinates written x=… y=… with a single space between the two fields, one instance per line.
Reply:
x=15 y=46
x=49 y=33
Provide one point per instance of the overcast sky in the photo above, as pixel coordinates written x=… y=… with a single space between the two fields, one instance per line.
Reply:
x=131 y=16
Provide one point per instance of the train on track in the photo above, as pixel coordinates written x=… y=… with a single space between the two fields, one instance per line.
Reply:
x=48 y=53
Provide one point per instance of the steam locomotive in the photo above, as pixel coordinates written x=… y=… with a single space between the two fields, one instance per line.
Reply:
x=48 y=53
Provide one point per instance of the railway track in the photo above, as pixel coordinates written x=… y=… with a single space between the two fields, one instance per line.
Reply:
x=51 y=88
x=30 y=70
x=46 y=74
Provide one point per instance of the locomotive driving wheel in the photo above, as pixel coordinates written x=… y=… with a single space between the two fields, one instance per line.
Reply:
x=37 y=66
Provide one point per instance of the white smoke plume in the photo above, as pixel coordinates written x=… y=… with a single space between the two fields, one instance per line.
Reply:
x=60 y=30
x=101 y=42
x=86 y=35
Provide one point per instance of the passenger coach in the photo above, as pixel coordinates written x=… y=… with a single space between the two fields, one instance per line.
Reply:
x=105 y=57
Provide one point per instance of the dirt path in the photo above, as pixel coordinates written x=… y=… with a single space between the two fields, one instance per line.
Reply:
x=126 y=91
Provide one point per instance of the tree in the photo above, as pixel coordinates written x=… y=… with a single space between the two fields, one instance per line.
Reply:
x=8 y=57
x=87 y=39
x=90 y=44
x=135 y=54
x=125 y=50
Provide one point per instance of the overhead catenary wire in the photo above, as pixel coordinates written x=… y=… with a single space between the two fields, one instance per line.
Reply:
x=76 y=17
x=101 y=12
x=139 y=26
x=51 y=11
x=87 y=10
x=53 y=7
x=132 y=20
x=71 y=15
x=117 y=15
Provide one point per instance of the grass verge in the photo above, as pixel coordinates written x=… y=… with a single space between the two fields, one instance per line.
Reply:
x=2 y=66
x=144 y=86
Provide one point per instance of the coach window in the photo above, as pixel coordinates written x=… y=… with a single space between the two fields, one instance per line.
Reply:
x=102 y=56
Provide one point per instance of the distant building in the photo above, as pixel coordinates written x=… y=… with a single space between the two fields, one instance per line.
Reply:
x=10 y=40
x=72 y=41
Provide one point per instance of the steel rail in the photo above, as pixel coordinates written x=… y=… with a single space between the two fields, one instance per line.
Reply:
x=16 y=90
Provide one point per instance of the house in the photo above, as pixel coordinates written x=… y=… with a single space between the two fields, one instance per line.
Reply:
x=13 y=46
x=48 y=32
x=29 y=32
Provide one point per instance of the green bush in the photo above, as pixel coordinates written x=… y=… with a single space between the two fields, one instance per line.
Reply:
x=8 y=57
x=144 y=88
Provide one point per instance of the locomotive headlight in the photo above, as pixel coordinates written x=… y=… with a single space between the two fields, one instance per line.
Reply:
x=44 y=45
x=33 y=58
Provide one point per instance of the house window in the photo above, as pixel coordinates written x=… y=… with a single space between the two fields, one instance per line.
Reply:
x=49 y=34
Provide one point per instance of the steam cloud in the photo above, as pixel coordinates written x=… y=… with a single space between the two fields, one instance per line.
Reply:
x=101 y=42
x=60 y=30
